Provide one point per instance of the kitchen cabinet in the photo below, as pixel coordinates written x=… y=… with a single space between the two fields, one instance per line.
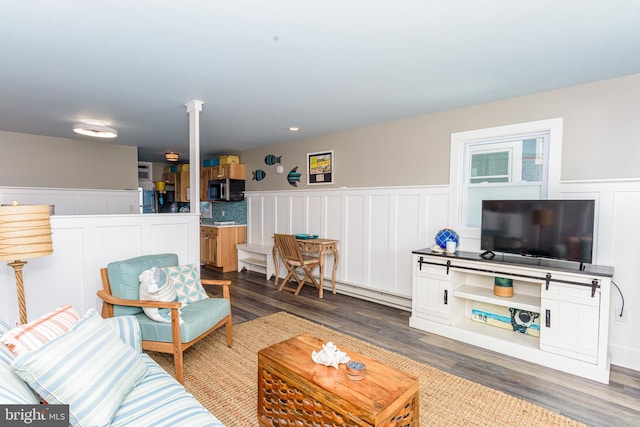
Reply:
x=181 y=182
x=231 y=171
x=182 y=186
x=218 y=246
x=169 y=178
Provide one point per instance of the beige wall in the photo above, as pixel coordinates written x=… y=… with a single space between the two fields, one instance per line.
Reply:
x=601 y=132
x=601 y=139
x=42 y=161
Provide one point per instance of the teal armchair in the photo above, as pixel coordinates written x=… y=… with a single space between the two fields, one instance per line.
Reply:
x=120 y=296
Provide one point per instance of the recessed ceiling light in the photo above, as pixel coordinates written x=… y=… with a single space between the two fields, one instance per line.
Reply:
x=294 y=129
x=95 y=128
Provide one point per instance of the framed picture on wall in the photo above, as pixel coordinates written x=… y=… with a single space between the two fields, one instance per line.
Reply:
x=320 y=167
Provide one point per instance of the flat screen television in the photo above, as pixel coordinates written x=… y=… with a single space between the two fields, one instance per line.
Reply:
x=559 y=229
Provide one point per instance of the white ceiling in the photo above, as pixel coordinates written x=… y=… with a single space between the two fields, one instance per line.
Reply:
x=261 y=66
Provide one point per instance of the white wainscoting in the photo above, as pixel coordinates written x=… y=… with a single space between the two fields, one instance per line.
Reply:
x=84 y=244
x=379 y=227
x=73 y=201
x=617 y=244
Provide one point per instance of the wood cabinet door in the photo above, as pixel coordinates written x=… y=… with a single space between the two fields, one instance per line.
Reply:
x=237 y=171
x=232 y=171
x=220 y=172
x=182 y=186
x=205 y=176
x=204 y=247
x=169 y=178
x=214 y=250
x=209 y=250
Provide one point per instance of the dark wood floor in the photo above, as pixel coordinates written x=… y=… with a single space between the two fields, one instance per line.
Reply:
x=595 y=404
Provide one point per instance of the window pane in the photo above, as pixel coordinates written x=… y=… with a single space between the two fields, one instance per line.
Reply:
x=490 y=164
x=532 y=160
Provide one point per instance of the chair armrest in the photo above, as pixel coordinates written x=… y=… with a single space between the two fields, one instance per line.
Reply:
x=215 y=282
x=110 y=299
x=128 y=329
x=224 y=283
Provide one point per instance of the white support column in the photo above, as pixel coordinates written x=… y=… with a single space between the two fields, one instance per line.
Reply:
x=194 y=108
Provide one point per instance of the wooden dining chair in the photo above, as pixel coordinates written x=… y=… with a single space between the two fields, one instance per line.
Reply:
x=293 y=258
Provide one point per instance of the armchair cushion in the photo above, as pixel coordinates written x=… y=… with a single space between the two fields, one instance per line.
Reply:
x=124 y=277
x=89 y=368
x=186 y=280
x=198 y=317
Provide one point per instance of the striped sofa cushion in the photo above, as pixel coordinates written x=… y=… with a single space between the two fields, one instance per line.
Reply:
x=6 y=356
x=128 y=330
x=14 y=391
x=159 y=401
x=89 y=368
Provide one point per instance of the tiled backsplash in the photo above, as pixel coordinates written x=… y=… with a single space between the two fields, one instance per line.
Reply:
x=228 y=211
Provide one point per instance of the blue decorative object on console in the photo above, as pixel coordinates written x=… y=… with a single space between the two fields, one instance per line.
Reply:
x=446 y=235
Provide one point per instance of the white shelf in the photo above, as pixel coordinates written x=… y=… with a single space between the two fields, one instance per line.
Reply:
x=255 y=261
x=256 y=258
x=477 y=293
x=505 y=335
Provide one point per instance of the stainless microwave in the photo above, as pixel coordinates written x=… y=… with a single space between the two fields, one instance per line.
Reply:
x=230 y=190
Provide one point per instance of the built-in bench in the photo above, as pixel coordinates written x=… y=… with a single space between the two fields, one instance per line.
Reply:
x=257 y=258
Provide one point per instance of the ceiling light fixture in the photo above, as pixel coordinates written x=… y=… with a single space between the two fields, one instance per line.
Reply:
x=171 y=156
x=95 y=128
x=294 y=129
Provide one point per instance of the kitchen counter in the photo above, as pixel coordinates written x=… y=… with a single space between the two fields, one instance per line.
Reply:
x=218 y=245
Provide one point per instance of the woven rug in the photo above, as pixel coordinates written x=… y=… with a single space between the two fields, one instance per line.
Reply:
x=224 y=379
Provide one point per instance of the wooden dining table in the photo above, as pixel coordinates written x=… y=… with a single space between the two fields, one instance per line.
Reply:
x=321 y=247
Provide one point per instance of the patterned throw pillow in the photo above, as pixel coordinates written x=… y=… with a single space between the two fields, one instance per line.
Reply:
x=186 y=280
x=33 y=335
x=89 y=368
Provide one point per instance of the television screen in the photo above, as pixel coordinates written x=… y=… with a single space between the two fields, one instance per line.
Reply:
x=560 y=229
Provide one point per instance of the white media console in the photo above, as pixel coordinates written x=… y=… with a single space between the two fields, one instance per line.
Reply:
x=573 y=306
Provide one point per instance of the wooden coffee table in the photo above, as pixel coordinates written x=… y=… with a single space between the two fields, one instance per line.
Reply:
x=292 y=387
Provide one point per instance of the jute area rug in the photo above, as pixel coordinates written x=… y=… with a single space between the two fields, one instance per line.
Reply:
x=224 y=379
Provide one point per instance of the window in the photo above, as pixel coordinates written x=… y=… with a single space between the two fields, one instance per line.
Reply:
x=499 y=169
x=520 y=161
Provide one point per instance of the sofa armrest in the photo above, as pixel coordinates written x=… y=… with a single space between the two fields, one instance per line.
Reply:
x=128 y=329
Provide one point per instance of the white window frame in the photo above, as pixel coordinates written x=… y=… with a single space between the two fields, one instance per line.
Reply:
x=470 y=237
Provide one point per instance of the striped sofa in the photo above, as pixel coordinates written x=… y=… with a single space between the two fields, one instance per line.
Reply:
x=154 y=399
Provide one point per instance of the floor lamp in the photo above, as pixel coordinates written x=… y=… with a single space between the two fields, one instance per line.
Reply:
x=25 y=232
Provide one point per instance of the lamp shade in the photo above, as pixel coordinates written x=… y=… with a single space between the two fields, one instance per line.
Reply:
x=25 y=232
